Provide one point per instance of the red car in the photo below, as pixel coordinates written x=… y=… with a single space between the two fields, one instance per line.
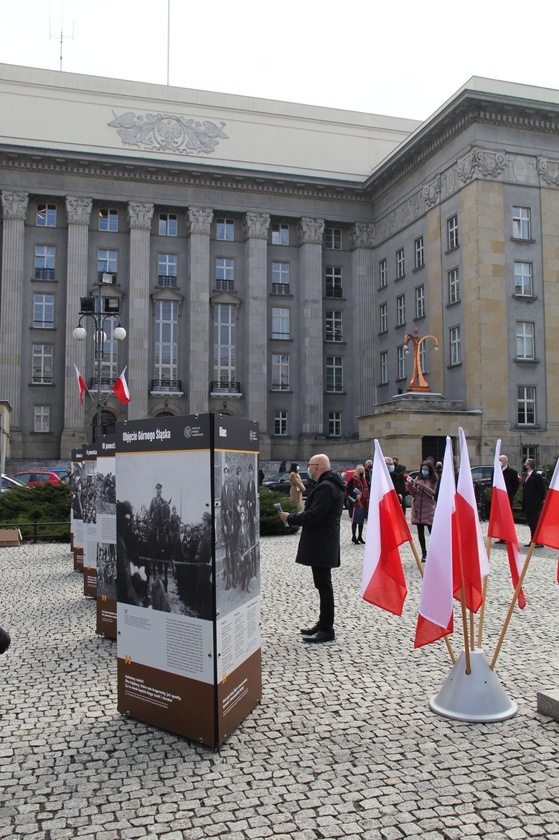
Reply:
x=32 y=477
x=345 y=475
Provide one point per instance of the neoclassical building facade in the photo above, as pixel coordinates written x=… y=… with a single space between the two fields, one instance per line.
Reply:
x=270 y=260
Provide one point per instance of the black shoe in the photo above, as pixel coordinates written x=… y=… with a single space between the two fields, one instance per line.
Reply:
x=424 y=558
x=5 y=640
x=539 y=545
x=361 y=540
x=501 y=542
x=354 y=540
x=527 y=545
x=320 y=636
x=310 y=631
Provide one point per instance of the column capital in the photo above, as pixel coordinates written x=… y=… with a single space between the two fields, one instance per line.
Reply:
x=310 y=231
x=200 y=220
x=140 y=214
x=256 y=225
x=14 y=205
x=78 y=209
x=361 y=235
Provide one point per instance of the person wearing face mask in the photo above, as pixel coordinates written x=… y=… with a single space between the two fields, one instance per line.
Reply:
x=398 y=480
x=297 y=487
x=423 y=491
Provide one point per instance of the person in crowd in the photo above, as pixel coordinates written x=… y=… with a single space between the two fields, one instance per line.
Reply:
x=297 y=487
x=319 y=543
x=358 y=503
x=398 y=481
x=512 y=482
x=368 y=472
x=282 y=467
x=423 y=491
x=533 y=495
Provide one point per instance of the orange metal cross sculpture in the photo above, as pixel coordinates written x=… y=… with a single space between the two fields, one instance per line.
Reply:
x=418 y=383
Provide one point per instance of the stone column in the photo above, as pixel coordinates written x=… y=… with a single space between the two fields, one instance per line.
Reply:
x=14 y=207
x=74 y=433
x=311 y=397
x=138 y=329
x=255 y=374
x=363 y=349
x=199 y=228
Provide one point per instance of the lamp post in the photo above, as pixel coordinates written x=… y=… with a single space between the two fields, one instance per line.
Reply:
x=103 y=310
x=418 y=383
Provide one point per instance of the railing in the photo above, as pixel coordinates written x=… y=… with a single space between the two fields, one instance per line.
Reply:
x=169 y=281
x=225 y=387
x=166 y=385
x=39 y=531
x=224 y=286
x=44 y=274
x=280 y=288
x=333 y=291
x=106 y=383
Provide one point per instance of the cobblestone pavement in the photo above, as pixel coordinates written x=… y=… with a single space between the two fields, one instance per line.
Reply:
x=344 y=744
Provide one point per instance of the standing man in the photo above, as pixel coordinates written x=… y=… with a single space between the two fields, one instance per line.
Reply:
x=368 y=472
x=511 y=478
x=533 y=495
x=319 y=545
x=398 y=480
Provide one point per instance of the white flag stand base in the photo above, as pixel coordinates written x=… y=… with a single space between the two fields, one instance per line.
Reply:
x=477 y=697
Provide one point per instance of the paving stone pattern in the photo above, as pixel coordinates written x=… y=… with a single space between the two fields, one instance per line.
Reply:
x=344 y=744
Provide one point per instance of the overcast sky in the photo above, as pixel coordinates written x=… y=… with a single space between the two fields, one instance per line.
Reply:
x=401 y=58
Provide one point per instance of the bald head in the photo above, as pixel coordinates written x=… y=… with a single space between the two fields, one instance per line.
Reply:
x=504 y=461
x=317 y=465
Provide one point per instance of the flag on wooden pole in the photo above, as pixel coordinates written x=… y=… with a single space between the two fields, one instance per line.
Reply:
x=501 y=523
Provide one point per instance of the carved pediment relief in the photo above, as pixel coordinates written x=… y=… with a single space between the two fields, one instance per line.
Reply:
x=168 y=133
x=548 y=170
x=481 y=162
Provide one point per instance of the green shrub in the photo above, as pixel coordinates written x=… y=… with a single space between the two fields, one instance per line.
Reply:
x=270 y=523
x=40 y=504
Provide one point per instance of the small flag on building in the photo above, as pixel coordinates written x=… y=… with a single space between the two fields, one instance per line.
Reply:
x=81 y=384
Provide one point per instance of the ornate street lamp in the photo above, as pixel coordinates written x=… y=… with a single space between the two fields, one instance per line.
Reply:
x=107 y=309
x=418 y=383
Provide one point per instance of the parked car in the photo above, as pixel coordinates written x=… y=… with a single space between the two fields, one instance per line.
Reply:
x=8 y=481
x=32 y=477
x=279 y=482
x=482 y=472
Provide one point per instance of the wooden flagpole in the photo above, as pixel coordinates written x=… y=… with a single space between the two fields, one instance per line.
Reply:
x=482 y=613
x=513 y=604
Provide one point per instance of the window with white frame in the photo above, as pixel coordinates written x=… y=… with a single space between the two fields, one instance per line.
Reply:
x=165 y=367
x=333 y=239
x=224 y=274
x=43 y=311
x=334 y=424
x=333 y=282
x=109 y=362
x=280 y=234
x=280 y=423
x=41 y=364
x=225 y=229
x=521 y=226
x=383 y=317
x=526 y=405
x=334 y=374
x=225 y=343
x=168 y=224
x=384 y=367
x=423 y=356
x=401 y=310
x=419 y=252
x=280 y=278
x=420 y=302
x=523 y=285
x=453 y=286
x=280 y=323
x=525 y=340
x=108 y=219
x=452 y=233
x=45 y=262
x=107 y=262
x=383 y=274
x=454 y=344
x=334 y=327
x=402 y=361
x=280 y=372
x=167 y=270
x=46 y=215
x=400 y=264
x=41 y=418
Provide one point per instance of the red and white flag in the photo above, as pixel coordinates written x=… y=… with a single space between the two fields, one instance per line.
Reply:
x=501 y=523
x=383 y=582
x=120 y=389
x=547 y=531
x=436 y=605
x=474 y=564
x=81 y=384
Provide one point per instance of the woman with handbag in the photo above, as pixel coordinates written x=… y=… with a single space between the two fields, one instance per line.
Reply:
x=358 y=502
x=297 y=487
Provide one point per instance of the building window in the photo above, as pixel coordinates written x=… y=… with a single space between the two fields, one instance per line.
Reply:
x=108 y=219
x=280 y=423
x=402 y=361
x=452 y=233
x=382 y=274
x=280 y=278
x=453 y=286
x=166 y=341
x=43 y=311
x=333 y=282
x=384 y=367
x=41 y=418
x=523 y=286
x=383 y=317
x=225 y=344
x=419 y=252
x=225 y=229
x=455 y=351
x=45 y=260
x=521 y=227
x=107 y=262
x=167 y=270
x=280 y=234
x=224 y=274
x=526 y=403
x=334 y=424
x=401 y=310
x=109 y=362
x=420 y=302
x=168 y=224
x=333 y=239
x=423 y=356
x=334 y=328
x=46 y=215
x=280 y=323
x=334 y=374
x=525 y=340
x=41 y=364
x=280 y=372
x=400 y=264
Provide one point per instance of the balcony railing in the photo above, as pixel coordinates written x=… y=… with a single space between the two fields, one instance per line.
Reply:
x=334 y=335
x=225 y=387
x=101 y=273
x=224 y=285
x=44 y=274
x=280 y=288
x=106 y=383
x=169 y=281
x=333 y=291
x=166 y=385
